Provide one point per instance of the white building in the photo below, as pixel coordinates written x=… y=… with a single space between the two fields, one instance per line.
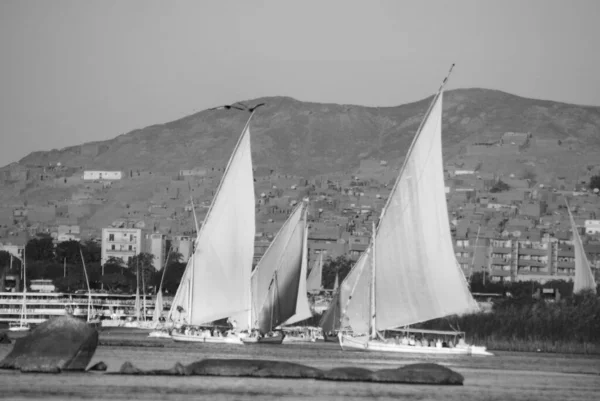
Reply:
x=184 y=245
x=16 y=251
x=102 y=175
x=592 y=226
x=121 y=243
x=156 y=244
x=68 y=233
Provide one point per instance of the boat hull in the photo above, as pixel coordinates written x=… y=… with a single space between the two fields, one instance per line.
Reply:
x=159 y=334
x=202 y=339
x=365 y=344
x=19 y=329
x=276 y=340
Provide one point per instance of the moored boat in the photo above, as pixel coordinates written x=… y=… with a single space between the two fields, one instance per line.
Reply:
x=279 y=296
x=409 y=273
x=216 y=282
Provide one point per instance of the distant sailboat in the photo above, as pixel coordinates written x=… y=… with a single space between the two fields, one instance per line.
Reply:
x=314 y=280
x=584 y=278
x=22 y=324
x=279 y=281
x=156 y=324
x=216 y=281
x=409 y=274
x=91 y=319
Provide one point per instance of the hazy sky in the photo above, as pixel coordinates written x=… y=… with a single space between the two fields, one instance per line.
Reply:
x=82 y=70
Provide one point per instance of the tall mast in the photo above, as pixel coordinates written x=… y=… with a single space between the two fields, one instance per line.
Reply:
x=373 y=310
x=24 y=283
x=88 y=285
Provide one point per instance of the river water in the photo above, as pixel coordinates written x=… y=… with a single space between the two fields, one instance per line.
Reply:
x=505 y=376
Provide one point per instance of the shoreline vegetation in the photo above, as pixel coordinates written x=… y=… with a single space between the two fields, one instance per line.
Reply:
x=569 y=324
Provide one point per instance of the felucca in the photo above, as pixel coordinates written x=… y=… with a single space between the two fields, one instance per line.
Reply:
x=410 y=274
x=216 y=282
x=21 y=324
x=279 y=282
x=584 y=278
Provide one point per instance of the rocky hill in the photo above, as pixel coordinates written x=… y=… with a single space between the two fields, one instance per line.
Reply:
x=301 y=139
x=306 y=138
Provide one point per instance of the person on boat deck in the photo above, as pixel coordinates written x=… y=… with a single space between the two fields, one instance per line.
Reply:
x=397 y=340
x=405 y=340
x=411 y=340
x=438 y=343
x=461 y=342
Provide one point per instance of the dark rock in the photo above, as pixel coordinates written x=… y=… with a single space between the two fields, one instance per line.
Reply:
x=4 y=339
x=250 y=367
x=99 y=367
x=419 y=373
x=61 y=343
x=128 y=369
x=348 y=374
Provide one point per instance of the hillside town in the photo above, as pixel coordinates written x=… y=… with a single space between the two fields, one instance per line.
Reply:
x=514 y=227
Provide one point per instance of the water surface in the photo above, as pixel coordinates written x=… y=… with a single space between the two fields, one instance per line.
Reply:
x=506 y=376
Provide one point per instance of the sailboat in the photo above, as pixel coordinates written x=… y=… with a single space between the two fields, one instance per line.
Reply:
x=216 y=282
x=91 y=319
x=22 y=324
x=584 y=278
x=331 y=322
x=409 y=273
x=279 y=282
x=160 y=332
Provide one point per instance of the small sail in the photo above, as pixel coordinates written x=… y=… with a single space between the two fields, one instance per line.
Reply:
x=180 y=307
x=302 y=306
x=584 y=278
x=158 y=307
x=137 y=305
x=416 y=274
x=313 y=283
x=276 y=278
x=356 y=295
x=347 y=315
x=330 y=321
x=216 y=283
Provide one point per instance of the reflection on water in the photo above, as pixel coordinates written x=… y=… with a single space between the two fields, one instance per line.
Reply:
x=503 y=377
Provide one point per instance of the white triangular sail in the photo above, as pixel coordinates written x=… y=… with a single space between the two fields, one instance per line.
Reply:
x=416 y=277
x=314 y=280
x=302 y=305
x=416 y=274
x=355 y=295
x=158 y=307
x=277 y=278
x=181 y=305
x=584 y=278
x=346 y=315
x=216 y=283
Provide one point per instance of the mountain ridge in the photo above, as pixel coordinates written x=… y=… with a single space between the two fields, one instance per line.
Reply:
x=309 y=138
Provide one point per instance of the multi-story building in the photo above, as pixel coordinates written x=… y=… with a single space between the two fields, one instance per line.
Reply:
x=156 y=245
x=184 y=244
x=121 y=243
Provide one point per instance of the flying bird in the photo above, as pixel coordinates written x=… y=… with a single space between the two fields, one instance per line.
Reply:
x=237 y=107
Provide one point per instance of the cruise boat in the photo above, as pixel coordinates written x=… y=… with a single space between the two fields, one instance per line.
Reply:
x=112 y=309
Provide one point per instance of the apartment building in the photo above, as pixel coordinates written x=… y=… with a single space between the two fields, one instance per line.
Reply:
x=121 y=243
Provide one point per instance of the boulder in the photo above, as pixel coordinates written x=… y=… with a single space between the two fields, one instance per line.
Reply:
x=251 y=367
x=4 y=339
x=61 y=343
x=98 y=367
x=348 y=374
x=419 y=373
